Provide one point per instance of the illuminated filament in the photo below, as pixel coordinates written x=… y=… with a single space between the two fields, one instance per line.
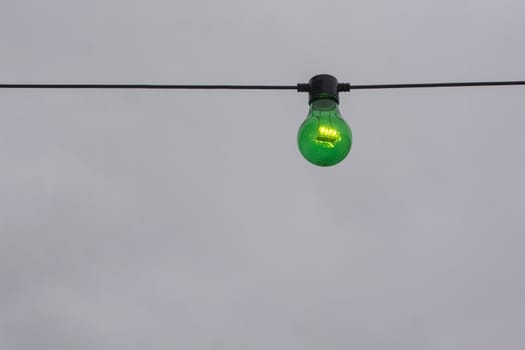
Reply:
x=327 y=136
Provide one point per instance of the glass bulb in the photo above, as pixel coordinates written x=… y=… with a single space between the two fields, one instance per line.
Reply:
x=324 y=138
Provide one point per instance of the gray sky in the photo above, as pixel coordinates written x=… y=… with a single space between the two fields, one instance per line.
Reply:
x=189 y=220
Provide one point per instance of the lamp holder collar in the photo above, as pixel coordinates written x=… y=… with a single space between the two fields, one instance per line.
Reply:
x=323 y=86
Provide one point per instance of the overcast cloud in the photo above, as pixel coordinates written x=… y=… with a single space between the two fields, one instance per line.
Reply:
x=189 y=220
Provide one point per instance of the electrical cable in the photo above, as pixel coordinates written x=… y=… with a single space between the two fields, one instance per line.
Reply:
x=148 y=86
x=298 y=87
x=431 y=85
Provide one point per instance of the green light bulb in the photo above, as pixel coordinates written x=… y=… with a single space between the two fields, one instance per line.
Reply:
x=324 y=138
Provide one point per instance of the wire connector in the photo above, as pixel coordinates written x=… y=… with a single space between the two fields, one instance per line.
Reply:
x=343 y=87
x=303 y=87
x=323 y=86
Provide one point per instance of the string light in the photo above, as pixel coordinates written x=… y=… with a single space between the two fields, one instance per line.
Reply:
x=324 y=138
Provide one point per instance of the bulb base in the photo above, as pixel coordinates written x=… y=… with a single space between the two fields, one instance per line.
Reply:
x=323 y=86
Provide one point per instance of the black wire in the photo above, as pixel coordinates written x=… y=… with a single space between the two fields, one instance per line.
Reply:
x=430 y=85
x=299 y=87
x=148 y=86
